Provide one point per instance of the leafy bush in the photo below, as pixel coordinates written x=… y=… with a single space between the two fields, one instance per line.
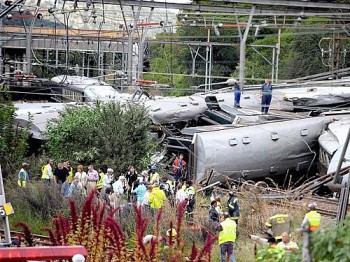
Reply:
x=13 y=140
x=332 y=244
x=109 y=134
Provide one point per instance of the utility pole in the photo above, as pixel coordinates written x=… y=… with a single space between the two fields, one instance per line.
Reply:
x=1 y=57
x=278 y=51
x=141 y=52
x=131 y=30
x=242 y=49
x=208 y=57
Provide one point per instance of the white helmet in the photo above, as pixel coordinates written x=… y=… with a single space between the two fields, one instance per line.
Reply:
x=231 y=81
x=78 y=258
x=312 y=205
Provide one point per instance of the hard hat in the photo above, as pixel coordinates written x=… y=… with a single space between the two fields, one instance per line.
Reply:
x=231 y=81
x=78 y=258
x=312 y=205
x=171 y=231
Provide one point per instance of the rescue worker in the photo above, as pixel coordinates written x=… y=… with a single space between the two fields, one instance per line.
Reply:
x=233 y=207
x=272 y=253
x=312 y=219
x=277 y=224
x=47 y=173
x=157 y=197
x=23 y=176
x=311 y=223
x=266 y=96
x=227 y=237
x=190 y=192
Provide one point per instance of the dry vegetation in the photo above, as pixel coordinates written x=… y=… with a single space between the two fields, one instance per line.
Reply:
x=72 y=226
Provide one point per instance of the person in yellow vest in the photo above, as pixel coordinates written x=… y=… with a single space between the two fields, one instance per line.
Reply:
x=101 y=176
x=23 y=176
x=153 y=175
x=47 y=173
x=190 y=193
x=157 y=197
x=312 y=219
x=311 y=223
x=227 y=237
x=70 y=171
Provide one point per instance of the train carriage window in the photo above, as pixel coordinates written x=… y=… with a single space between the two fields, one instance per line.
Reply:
x=274 y=136
x=246 y=140
x=304 y=132
x=233 y=142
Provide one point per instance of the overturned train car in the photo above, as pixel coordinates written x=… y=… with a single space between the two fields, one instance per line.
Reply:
x=255 y=151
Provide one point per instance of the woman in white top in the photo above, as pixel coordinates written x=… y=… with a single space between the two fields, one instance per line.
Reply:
x=82 y=178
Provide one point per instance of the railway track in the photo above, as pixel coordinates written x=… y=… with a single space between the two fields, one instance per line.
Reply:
x=38 y=239
x=325 y=206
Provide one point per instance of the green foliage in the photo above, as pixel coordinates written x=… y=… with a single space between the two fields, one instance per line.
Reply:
x=109 y=134
x=13 y=140
x=332 y=244
x=271 y=254
x=177 y=59
x=300 y=53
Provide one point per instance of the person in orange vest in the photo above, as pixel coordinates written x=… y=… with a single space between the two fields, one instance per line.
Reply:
x=311 y=223
x=179 y=167
x=312 y=219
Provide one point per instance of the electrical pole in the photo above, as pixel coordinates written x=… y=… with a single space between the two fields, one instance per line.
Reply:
x=242 y=49
x=208 y=63
x=1 y=57
x=278 y=51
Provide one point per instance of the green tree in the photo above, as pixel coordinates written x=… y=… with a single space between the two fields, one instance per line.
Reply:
x=13 y=139
x=175 y=60
x=112 y=134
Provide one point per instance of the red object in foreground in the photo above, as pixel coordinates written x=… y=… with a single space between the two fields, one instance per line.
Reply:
x=40 y=253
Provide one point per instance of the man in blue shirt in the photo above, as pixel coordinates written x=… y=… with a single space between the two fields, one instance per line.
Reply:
x=266 y=96
x=237 y=91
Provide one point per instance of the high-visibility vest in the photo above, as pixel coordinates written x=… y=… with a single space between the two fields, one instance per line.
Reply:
x=314 y=219
x=190 y=191
x=157 y=198
x=45 y=170
x=228 y=232
x=99 y=184
x=22 y=182
x=154 y=178
x=71 y=175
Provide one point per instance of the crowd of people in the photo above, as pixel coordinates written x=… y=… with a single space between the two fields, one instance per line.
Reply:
x=147 y=189
x=151 y=191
